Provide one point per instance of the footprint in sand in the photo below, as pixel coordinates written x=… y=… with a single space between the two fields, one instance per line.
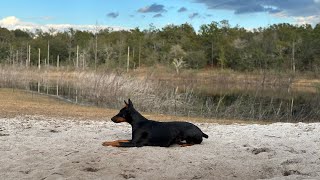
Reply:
x=90 y=169
x=257 y=151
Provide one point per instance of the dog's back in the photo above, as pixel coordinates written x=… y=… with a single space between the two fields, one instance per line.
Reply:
x=168 y=133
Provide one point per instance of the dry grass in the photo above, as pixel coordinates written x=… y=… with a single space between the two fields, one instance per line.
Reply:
x=238 y=80
x=16 y=102
x=192 y=93
x=299 y=82
x=19 y=103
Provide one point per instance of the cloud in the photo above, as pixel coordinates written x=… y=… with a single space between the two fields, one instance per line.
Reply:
x=307 y=20
x=113 y=14
x=194 y=15
x=250 y=9
x=157 y=15
x=291 y=8
x=153 y=8
x=182 y=9
x=12 y=22
x=9 y=21
x=40 y=18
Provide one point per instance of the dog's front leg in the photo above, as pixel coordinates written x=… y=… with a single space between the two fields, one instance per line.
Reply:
x=135 y=142
x=128 y=144
x=120 y=143
x=138 y=140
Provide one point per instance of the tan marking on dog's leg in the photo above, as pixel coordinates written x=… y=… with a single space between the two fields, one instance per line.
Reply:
x=123 y=140
x=114 y=143
x=107 y=143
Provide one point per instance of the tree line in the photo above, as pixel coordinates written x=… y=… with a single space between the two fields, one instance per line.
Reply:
x=281 y=47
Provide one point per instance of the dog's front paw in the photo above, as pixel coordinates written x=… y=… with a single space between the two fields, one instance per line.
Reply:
x=107 y=143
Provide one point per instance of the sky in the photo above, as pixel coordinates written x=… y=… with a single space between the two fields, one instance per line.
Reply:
x=126 y=14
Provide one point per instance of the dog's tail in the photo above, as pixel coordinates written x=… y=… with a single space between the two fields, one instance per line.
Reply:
x=204 y=135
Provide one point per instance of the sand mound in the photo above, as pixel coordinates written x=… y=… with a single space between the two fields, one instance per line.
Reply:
x=40 y=148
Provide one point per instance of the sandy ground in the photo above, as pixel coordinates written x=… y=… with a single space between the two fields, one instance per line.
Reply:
x=37 y=147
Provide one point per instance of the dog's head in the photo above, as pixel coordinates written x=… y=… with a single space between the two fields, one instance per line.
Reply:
x=124 y=114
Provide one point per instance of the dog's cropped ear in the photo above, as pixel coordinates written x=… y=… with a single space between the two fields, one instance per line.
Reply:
x=127 y=105
x=130 y=103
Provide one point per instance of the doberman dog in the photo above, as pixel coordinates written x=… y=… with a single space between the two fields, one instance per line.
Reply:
x=153 y=133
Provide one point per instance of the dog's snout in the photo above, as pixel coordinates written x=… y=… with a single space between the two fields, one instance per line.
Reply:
x=113 y=119
x=117 y=119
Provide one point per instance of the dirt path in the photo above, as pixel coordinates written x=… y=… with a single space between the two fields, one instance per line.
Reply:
x=38 y=147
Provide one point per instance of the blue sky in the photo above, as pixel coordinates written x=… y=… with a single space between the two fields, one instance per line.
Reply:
x=84 y=14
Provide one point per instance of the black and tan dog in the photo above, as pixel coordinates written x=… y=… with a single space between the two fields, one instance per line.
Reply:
x=152 y=133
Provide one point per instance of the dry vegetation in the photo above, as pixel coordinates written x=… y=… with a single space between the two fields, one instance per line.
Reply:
x=191 y=93
x=15 y=103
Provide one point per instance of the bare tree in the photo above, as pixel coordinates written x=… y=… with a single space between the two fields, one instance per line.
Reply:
x=48 y=55
x=177 y=54
x=39 y=60
x=109 y=52
x=179 y=63
x=128 y=59
x=176 y=51
x=139 y=56
x=77 y=62
x=29 y=56
x=96 y=45
x=293 y=59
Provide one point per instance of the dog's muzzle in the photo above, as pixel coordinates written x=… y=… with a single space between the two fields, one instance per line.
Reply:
x=117 y=119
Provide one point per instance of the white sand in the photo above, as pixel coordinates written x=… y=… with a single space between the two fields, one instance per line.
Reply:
x=41 y=148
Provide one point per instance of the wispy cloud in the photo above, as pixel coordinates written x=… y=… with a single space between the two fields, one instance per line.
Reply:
x=182 y=9
x=113 y=14
x=40 y=18
x=157 y=15
x=153 y=8
x=194 y=15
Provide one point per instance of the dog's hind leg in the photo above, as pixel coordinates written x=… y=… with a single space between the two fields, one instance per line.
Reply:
x=194 y=140
x=186 y=144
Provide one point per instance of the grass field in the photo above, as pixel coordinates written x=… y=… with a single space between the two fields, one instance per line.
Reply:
x=15 y=102
x=207 y=93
